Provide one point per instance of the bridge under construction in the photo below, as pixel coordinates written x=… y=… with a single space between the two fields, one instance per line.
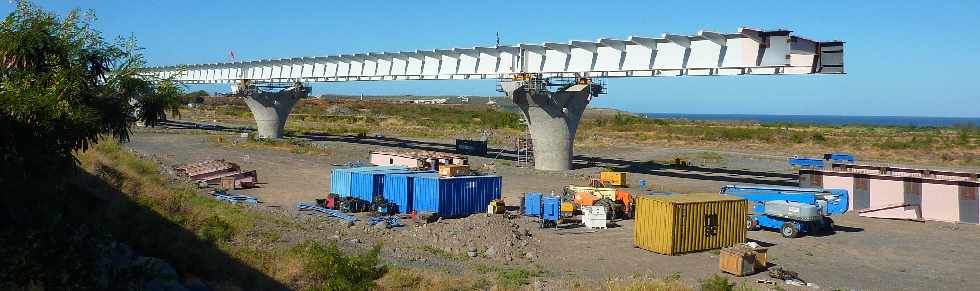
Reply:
x=552 y=83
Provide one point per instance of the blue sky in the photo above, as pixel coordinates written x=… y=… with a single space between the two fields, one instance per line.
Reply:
x=909 y=58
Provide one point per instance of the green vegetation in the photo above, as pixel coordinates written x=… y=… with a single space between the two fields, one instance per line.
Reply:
x=291 y=145
x=671 y=283
x=214 y=240
x=440 y=252
x=196 y=97
x=333 y=271
x=717 y=283
x=956 y=145
x=63 y=88
x=214 y=229
x=354 y=118
x=721 y=283
x=517 y=277
x=710 y=156
x=419 y=279
x=52 y=98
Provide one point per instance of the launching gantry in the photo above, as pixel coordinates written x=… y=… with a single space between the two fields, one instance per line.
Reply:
x=551 y=82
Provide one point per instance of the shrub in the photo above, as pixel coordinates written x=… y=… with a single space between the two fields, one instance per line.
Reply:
x=328 y=269
x=717 y=283
x=514 y=278
x=215 y=229
x=818 y=137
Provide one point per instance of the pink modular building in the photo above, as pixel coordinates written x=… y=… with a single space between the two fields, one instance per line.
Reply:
x=902 y=193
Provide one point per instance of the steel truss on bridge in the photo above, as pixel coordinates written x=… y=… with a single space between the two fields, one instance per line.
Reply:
x=747 y=52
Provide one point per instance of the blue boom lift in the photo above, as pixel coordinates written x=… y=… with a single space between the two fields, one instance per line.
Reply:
x=791 y=210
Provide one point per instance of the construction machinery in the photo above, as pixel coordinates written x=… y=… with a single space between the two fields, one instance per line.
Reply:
x=617 y=179
x=496 y=206
x=791 y=210
x=618 y=203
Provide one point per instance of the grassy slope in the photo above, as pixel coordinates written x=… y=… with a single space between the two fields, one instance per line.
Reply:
x=209 y=239
x=957 y=146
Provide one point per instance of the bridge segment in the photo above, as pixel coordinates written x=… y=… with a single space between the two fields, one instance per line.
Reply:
x=524 y=71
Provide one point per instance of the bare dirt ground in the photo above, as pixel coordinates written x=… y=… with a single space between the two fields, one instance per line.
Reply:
x=864 y=254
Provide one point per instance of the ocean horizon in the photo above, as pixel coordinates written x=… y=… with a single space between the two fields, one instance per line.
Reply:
x=919 y=121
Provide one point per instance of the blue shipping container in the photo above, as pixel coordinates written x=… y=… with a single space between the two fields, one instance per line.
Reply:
x=398 y=190
x=370 y=184
x=341 y=179
x=550 y=208
x=531 y=205
x=454 y=196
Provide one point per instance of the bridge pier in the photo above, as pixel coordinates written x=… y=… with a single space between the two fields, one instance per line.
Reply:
x=552 y=118
x=270 y=109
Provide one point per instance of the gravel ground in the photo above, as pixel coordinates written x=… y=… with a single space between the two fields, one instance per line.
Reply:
x=864 y=254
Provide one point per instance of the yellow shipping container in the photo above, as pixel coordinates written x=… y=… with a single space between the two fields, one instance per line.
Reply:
x=614 y=178
x=674 y=224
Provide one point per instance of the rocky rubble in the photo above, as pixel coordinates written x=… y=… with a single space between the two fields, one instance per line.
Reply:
x=495 y=237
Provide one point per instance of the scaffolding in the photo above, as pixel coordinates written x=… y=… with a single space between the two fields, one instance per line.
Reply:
x=525 y=151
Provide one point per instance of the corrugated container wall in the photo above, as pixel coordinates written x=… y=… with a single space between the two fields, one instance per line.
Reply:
x=688 y=223
x=398 y=190
x=550 y=207
x=454 y=196
x=531 y=204
x=341 y=179
x=366 y=185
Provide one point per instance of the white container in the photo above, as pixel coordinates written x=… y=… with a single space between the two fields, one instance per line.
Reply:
x=388 y=159
x=594 y=217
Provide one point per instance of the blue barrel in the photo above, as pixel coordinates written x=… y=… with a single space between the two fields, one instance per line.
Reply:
x=531 y=204
x=550 y=208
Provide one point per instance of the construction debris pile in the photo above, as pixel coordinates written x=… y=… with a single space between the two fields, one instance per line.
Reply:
x=224 y=174
x=496 y=237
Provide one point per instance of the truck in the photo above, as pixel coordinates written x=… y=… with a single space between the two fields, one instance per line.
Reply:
x=790 y=210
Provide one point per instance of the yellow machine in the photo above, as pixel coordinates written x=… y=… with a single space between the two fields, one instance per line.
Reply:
x=496 y=207
x=613 y=178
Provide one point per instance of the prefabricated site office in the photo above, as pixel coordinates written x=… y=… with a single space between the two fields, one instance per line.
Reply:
x=902 y=193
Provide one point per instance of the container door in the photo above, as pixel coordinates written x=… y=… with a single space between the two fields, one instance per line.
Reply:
x=811 y=179
x=409 y=196
x=550 y=209
x=968 y=204
x=862 y=192
x=912 y=193
x=806 y=179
